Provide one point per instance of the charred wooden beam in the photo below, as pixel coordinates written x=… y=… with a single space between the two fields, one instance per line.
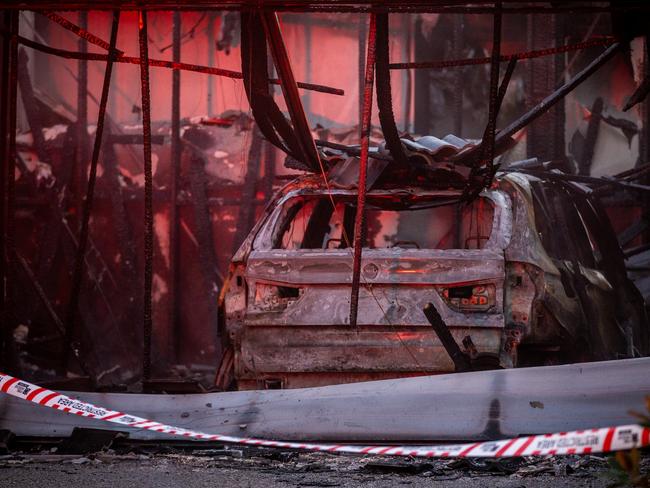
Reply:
x=527 y=55
x=159 y=63
x=10 y=93
x=493 y=107
x=458 y=42
x=548 y=102
x=82 y=115
x=412 y=6
x=176 y=151
x=290 y=91
x=422 y=95
x=5 y=53
x=77 y=276
x=80 y=30
x=361 y=66
x=384 y=95
x=148 y=196
x=10 y=225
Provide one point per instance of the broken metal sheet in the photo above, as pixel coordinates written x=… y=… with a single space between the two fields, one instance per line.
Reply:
x=465 y=406
x=439 y=149
x=346 y=173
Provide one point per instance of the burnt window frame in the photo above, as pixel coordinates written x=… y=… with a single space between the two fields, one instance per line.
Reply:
x=270 y=234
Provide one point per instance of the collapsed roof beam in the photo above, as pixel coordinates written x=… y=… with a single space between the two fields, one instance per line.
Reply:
x=160 y=63
x=408 y=6
x=384 y=95
x=71 y=345
x=290 y=91
x=542 y=107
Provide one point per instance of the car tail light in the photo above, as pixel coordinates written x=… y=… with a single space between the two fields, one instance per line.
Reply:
x=274 y=298
x=469 y=298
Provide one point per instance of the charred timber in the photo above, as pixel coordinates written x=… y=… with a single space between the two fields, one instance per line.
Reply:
x=159 y=63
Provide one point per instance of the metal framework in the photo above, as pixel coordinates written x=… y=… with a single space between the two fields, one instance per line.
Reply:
x=339 y=6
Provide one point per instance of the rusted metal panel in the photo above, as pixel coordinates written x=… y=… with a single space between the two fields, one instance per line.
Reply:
x=334 y=351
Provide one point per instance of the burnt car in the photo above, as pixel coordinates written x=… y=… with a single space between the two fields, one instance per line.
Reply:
x=527 y=273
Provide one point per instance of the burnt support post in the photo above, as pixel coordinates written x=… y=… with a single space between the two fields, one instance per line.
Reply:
x=545 y=139
x=87 y=208
x=360 y=223
x=422 y=91
x=384 y=91
x=5 y=62
x=82 y=113
x=176 y=150
x=493 y=107
x=361 y=66
x=644 y=133
x=458 y=42
x=212 y=16
x=8 y=97
x=148 y=195
x=306 y=144
x=408 y=76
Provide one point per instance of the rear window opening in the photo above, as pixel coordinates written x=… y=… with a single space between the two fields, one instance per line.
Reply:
x=317 y=222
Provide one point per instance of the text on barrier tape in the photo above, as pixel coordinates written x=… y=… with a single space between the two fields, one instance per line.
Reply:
x=600 y=440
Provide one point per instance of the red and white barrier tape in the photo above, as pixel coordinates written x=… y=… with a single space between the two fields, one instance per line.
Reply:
x=577 y=442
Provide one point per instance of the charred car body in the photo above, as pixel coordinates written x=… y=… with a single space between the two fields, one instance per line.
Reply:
x=528 y=273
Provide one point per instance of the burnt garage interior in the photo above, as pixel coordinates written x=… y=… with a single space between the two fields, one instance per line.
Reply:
x=142 y=141
x=265 y=242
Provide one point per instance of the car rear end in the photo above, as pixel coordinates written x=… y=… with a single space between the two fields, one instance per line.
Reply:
x=288 y=298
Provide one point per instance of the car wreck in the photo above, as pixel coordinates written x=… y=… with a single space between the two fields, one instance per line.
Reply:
x=527 y=273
